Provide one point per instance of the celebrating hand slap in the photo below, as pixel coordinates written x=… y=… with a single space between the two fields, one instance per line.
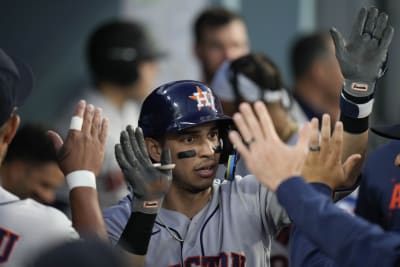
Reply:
x=267 y=157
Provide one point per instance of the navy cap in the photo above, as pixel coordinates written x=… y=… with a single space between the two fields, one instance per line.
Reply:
x=390 y=131
x=16 y=82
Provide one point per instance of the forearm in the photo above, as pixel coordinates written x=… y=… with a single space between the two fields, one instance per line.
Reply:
x=86 y=214
x=337 y=234
x=303 y=252
x=354 y=143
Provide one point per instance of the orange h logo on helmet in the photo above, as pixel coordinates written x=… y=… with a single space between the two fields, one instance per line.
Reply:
x=203 y=98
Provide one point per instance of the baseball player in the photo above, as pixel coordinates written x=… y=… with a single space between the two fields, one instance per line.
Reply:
x=191 y=219
x=26 y=226
x=200 y=222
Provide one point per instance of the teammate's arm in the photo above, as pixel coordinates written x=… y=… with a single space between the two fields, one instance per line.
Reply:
x=347 y=240
x=149 y=184
x=362 y=60
x=80 y=158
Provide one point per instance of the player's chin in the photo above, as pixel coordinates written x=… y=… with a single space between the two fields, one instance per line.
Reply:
x=206 y=173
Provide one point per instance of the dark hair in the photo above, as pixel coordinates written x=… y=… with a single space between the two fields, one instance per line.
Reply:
x=260 y=69
x=32 y=144
x=213 y=17
x=305 y=50
x=114 y=50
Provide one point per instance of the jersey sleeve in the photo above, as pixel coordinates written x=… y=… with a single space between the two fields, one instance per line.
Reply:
x=348 y=240
x=275 y=215
x=60 y=227
x=116 y=218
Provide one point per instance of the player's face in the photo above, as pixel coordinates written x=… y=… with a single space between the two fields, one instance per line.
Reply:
x=219 y=44
x=39 y=182
x=195 y=173
x=147 y=71
x=333 y=78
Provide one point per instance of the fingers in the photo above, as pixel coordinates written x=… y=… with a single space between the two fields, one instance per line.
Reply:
x=166 y=163
x=325 y=133
x=135 y=147
x=387 y=37
x=87 y=119
x=381 y=24
x=96 y=122
x=142 y=145
x=371 y=21
x=304 y=138
x=237 y=142
x=56 y=139
x=104 y=130
x=337 y=143
x=339 y=43
x=351 y=165
x=265 y=120
x=80 y=108
x=127 y=149
x=314 y=135
x=358 y=26
x=120 y=157
x=253 y=126
x=242 y=126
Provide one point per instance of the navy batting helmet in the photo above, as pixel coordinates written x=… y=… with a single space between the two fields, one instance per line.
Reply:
x=179 y=105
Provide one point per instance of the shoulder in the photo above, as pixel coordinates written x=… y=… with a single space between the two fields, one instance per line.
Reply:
x=382 y=156
x=42 y=218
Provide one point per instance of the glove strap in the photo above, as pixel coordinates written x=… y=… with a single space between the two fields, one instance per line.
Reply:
x=356 y=103
x=358 y=92
x=151 y=206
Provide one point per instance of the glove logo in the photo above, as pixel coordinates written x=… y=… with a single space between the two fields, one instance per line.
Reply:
x=150 y=204
x=359 y=87
x=204 y=99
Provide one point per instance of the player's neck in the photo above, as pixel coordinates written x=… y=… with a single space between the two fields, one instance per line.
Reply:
x=185 y=202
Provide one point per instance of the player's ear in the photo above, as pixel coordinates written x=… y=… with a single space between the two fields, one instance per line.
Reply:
x=154 y=148
x=10 y=129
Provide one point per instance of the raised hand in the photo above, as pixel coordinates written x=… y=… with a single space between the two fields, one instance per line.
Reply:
x=266 y=156
x=149 y=182
x=324 y=162
x=363 y=56
x=83 y=148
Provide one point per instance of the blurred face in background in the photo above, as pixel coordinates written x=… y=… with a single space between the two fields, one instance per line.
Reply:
x=222 y=43
x=148 y=71
x=32 y=180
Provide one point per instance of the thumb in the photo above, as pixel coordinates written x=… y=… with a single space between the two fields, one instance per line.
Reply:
x=166 y=160
x=339 y=43
x=350 y=166
x=56 y=139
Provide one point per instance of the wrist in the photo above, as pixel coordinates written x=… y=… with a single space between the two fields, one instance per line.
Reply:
x=81 y=178
x=146 y=206
x=137 y=233
x=359 y=92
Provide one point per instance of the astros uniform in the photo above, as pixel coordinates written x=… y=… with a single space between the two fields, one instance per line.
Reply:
x=379 y=195
x=234 y=229
x=27 y=227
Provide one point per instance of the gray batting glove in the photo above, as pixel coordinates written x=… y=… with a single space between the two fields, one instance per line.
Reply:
x=149 y=182
x=363 y=56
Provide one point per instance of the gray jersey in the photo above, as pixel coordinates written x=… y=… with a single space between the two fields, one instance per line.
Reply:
x=234 y=229
x=28 y=227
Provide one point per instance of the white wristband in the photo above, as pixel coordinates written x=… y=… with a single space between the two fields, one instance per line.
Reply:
x=81 y=178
